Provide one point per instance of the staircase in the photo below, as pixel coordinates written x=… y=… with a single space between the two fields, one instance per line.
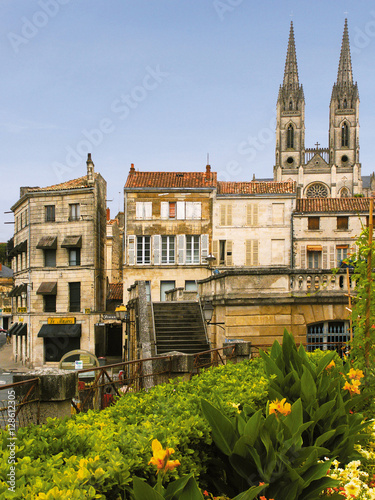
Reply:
x=179 y=326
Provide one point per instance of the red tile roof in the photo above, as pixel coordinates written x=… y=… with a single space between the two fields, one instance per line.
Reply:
x=256 y=187
x=115 y=291
x=72 y=184
x=170 y=180
x=333 y=205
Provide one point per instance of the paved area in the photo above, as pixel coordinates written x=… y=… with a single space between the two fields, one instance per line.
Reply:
x=7 y=365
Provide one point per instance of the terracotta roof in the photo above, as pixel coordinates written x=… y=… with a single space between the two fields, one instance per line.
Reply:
x=170 y=180
x=72 y=184
x=333 y=205
x=115 y=291
x=256 y=187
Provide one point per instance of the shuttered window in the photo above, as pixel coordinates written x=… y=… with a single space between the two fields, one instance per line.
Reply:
x=252 y=214
x=192 y=249
x=252 y=253
x=343 y=222
x=313 y=223
x=167 y=249
x=143 y=250
x=226 y=215
x=229 y=260
x=131 y=250
x=143 y=210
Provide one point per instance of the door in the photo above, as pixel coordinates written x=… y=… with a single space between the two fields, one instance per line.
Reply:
x=164 y=287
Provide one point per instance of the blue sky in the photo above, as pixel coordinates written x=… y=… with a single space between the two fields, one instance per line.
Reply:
x=161 y=83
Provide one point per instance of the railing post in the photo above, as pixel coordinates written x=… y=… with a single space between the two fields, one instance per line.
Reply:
x=237 y=351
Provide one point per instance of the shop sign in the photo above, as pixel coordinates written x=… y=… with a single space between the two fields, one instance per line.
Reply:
x=61 y=321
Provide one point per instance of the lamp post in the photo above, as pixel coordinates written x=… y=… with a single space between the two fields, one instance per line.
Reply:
x=208 y=311
x=210 y=259
x=122 y=315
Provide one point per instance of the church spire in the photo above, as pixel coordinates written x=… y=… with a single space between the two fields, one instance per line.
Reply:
x=291 y=69
x=345 y=73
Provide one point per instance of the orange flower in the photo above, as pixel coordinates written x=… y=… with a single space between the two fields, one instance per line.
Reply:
x=353 y=388
x=161 y=457
x=355 y=374
x=330 y=365
x=280 y=407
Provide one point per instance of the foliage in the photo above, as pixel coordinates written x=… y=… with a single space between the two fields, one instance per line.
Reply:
x=322 y=389
x=364 y=291
x=270 y=449
x=117 y=440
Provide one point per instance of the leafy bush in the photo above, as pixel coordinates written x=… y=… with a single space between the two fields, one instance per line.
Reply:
x=118 y=440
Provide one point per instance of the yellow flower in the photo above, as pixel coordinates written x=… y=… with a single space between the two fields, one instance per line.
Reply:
x=352 y=488
x=355 y=374
x=353 y=388
x=280 y=407
x=330 y=365
x=161 y=457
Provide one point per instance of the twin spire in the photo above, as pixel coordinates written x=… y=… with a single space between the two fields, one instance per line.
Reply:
x=344 y=74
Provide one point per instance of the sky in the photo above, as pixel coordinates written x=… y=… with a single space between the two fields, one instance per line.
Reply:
x=164 y=83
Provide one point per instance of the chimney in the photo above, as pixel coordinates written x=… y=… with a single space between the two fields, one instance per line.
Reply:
x=108 y=214
x=90 y=170
x=208 y=172
x=132 y=169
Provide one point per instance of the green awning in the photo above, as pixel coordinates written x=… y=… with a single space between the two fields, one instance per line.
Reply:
x=21 y=330
x=13 y=328
x=60 y=331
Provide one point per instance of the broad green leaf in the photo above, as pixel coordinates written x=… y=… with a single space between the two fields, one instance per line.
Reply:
x=316 y=487
x=325 y=361
x=143 y=490
x=324 y=437
x=175 y=487
x=317 y=471
x=308 y=386
x=222 y=428
x=189 y=492
x=251 y=493
x=271 y=367
x=253 y=426
x=295 y=418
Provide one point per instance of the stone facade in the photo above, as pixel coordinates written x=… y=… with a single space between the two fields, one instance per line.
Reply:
x=59 y=271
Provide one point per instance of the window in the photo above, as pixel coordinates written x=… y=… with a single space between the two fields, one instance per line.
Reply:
x=314 y=259
x=290 y=137
x=330 y=335
x=191 y=286
x=344 y=136
x=143 y=249
x=313 y=223
x=192 y=249
x=50 y=258
x=50 y=213
x=75 y=297
x=74 y=256
x=164 y=287
x=317 y=190
x=172 y=209
x=74 y=211
x=226 y=215
x=49 y=303
x=342 y=253
x=222 y=245
x=56 y=347
x=342 y=222
x=143 y=210
x=181 y=210
x=167 y=249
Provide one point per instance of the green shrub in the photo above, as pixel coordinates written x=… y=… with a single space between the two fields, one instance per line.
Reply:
x=118 y=439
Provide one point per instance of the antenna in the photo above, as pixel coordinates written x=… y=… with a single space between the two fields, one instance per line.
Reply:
x=208 y=159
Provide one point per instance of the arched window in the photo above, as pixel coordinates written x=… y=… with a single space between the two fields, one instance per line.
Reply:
x=317 y=190
x=344 y=193
x=345 y=136
x=290 y=137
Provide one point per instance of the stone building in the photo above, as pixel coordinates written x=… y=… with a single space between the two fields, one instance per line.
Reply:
x=168 y=229
x=6 y=285
x=58 y=265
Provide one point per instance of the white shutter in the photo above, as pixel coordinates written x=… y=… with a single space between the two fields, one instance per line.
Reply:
x=180 y=210
x=139 y=209
x=332 y=262
x=222 y=215
x=156 y=245
x=181 y=249
x=303 y=257
x=248 y=245
x=215 y=251
x=255 y=254
x=164 y=210
x=204 y=247
x=325 y=257
x=189 y=207
x=255 y=214
x=249 y=218
x=229 y=215
x=197 y=210
x=229 y=256
x=148 y=210
x=131 y=250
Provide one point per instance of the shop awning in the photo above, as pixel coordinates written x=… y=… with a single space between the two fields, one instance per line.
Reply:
x=47 y=288
x=21 y=330
x=18 y=290
x=60 y=331
x=47 y=242
x=72 y=242
x=13 y=328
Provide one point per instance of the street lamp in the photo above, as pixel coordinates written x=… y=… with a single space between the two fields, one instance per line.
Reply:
x=121 y=313
x=208 y=311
